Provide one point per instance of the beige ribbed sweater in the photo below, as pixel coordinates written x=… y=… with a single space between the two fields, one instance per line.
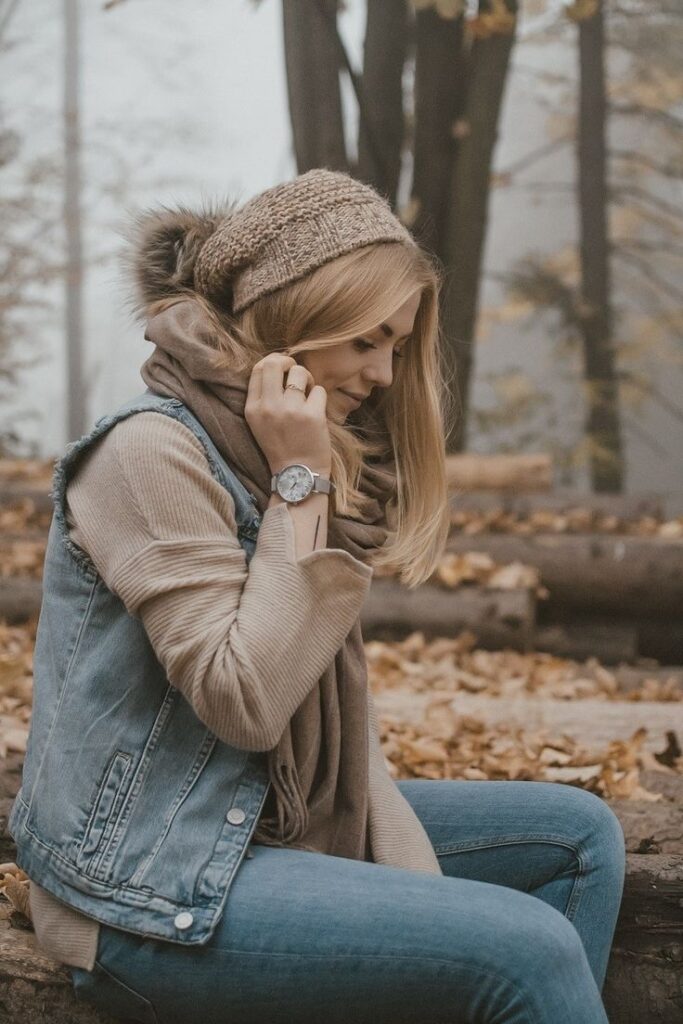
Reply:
x=144 y=505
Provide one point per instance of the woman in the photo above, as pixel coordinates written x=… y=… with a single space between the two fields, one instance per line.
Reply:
x=206 y=816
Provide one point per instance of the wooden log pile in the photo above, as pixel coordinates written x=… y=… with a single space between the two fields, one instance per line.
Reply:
x=609 y=568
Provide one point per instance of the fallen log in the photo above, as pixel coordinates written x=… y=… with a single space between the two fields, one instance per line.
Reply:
x=640 y=576
x=625 y=507
x=645 y=975
x=630 y=678
x=499 y=617
x=651 y=828
x=35 y=988
x=610 y=643
x=611 y=638
x=14 y=494
x=20 y=598
x=662 y=638
x=526 y=472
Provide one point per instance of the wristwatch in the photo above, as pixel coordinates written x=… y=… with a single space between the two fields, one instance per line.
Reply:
x=294 y=483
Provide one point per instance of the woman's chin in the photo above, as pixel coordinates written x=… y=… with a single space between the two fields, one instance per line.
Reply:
x=336 y=413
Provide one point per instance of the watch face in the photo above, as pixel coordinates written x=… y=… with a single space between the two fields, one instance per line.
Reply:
x=295 y=483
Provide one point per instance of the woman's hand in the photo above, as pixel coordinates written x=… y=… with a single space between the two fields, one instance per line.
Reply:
x=289 y=425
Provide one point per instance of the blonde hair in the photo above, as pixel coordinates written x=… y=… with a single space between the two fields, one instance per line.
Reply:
x=406 y=422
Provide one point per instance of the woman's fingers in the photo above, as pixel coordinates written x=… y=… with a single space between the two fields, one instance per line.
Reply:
x=300 y=376
x=274 y=366
x=288 y=425
x=265 y=372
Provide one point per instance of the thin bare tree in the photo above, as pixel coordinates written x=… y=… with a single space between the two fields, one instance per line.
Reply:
x=75 y=389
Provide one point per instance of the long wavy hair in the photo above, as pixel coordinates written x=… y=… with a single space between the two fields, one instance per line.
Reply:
x=349 y=296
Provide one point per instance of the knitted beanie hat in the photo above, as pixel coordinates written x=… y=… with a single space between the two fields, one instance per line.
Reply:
x=234 y=255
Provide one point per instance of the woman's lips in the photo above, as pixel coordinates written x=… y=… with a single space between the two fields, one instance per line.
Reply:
x=350 y=397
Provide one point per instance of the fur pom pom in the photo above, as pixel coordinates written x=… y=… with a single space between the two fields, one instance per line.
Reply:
x=163 y=246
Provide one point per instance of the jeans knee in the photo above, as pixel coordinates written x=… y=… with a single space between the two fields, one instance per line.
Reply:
x=552 y=945
x=606 y=833
x=597 y=825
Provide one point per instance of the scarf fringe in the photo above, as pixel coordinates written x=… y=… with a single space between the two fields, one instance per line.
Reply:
x=292 y=812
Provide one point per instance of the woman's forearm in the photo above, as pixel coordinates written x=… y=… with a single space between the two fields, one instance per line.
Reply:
x=309 y=519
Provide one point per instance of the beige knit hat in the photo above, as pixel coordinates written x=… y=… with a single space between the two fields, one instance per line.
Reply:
x=236 y=255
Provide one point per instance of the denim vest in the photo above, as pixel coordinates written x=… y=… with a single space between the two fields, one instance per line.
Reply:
x=130 y=810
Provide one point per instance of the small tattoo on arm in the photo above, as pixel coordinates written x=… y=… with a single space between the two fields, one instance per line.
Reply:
x=316 y=532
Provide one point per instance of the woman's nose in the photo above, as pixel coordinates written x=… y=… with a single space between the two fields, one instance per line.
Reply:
x=379 y=370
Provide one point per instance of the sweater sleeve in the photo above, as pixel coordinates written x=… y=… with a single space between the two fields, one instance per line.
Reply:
x=244 y=644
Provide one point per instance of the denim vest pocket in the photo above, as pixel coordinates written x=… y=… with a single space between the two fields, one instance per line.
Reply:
x=103 y=814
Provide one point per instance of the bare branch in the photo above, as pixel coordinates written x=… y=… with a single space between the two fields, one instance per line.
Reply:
x=651 y=389
x=665 y=248
x=529 y=159
x=638 y=110
x=667 y=170
x=646 y=269
x=651 y=442
x=646 y=197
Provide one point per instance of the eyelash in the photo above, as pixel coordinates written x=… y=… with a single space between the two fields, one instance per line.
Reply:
x=367 y=344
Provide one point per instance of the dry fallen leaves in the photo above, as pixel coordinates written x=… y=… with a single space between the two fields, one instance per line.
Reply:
x=455 y=569
x=16 y=685
x=32 y=472
x=448 y=745
x=20 y=514
x=450 y=664
x=14 y=886
x=571 y=520
x=22 y=558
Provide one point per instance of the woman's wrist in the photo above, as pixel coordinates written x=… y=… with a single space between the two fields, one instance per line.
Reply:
x=309 y=519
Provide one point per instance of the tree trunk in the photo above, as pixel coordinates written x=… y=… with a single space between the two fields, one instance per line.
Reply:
x=381 y=124
x=440 y=81
x=603 y=428
x=76 y=398
x=468 y=214
x=312 y=69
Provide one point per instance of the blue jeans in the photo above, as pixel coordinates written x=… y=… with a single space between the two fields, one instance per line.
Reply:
x=518 y=931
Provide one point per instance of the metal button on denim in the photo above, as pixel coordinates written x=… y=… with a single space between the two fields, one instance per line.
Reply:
x=235 y=815
x=183 y=920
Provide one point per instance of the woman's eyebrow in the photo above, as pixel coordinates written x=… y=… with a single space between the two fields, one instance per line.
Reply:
x=388 y=331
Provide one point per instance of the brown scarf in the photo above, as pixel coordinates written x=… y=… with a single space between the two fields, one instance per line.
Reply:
x=319 y=769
